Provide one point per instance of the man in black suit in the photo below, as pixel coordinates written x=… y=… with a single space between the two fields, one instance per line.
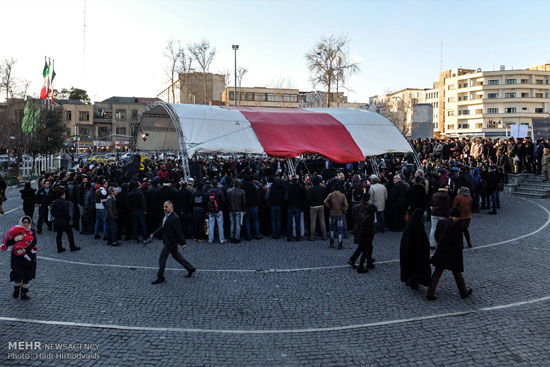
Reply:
x=171 y=236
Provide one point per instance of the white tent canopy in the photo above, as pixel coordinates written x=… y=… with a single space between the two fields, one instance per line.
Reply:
x=215 y=129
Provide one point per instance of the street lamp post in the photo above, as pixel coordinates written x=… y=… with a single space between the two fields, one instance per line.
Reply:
x=235 y=48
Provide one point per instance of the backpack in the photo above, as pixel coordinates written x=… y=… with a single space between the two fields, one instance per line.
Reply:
x=213 y=203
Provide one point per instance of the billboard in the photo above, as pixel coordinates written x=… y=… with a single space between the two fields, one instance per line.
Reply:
x=541 y=128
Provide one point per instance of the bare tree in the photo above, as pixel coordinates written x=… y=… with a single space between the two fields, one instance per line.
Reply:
x=203 y=54
x=397 y=111
x=7 y=81
x=184 y=67
x=241 y=71
x=329 y=63
x=173 y=52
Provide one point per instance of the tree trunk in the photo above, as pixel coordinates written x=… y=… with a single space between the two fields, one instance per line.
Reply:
x=204 y=84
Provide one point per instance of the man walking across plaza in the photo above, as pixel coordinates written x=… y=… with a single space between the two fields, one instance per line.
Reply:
x=337 y=205
x=448 y=255
x=172 y=235
x=62 y=222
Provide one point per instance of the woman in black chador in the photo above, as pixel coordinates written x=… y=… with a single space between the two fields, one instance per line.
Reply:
x=415 y=252
x=22 y=239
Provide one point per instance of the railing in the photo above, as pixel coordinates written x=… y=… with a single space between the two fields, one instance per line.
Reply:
x=41 y=163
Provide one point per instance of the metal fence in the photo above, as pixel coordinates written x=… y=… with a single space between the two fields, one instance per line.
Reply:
x=41 y=163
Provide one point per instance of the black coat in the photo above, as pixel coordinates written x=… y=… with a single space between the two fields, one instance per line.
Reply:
x=29 y=199
x=414 y=253
x=363 y=222
x=61 y=213
x=397 y=206
x=171 y=231
x=21 y=267
x=448 y=254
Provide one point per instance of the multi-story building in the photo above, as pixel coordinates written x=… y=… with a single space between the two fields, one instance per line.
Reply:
x=79 y=127
x=398 y=106
x=261 y=97
x=115 y=122
x=486 y=103
x=190 y=89
x=432 y=97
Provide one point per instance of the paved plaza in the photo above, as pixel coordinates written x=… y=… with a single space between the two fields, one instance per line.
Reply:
x=278 y=303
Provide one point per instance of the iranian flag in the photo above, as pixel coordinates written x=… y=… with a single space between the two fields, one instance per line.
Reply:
x=46 y=85
x=53 y=76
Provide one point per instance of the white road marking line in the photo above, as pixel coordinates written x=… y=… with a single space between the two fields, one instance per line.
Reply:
x=273 y=331
x=9 y=211
x=290 y=270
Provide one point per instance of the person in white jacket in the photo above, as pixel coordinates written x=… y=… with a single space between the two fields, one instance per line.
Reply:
x=379 y=195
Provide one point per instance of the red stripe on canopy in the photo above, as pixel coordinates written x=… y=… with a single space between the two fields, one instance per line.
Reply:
x=290 y=132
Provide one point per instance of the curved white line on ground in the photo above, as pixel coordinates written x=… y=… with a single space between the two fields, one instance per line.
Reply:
x=290 y=270
x=272 y=331
x=14 y=209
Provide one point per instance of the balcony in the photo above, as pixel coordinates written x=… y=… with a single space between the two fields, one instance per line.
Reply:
x=102 y=119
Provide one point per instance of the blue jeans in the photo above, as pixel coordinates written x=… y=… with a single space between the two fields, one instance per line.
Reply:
x=235 y=218
x=293 y=215
x=111 y=230
x=138 y=220
x=100 y=220
x=380 y=221
x=276 y=213
x=338 y=222
x=214 y=218
x=252 y=215
x=495 y=200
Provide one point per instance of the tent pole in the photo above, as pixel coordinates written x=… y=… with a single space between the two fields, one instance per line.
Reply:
x=291 y=167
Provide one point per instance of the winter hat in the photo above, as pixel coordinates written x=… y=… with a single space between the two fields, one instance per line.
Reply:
x=464 y=191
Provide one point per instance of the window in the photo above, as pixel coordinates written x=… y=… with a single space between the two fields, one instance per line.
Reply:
x=451 y=87
x=134 y=114
x=68 y=115
x=462 y=126
x=260 y=97
x=274 y=97
x=249 y=96
x=450 y=113
x=121 y=131
x=539 y=95
x=464 y=112
x=84 y=131
x=524 y=81
x=120 y=115
x=290 y=98
x=524 y=108
x=451 y=99
x=524 y=95
x=539 y=81
x=510 y=95
x=510 y=81
x=539 y=110
x=492 y=110
x=103 y=132
x=493 y=82
x=510 y=110
x=450 y=127
x=492 y=95
x=83 y=116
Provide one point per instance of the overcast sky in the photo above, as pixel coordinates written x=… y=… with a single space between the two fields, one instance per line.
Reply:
x=397 y=43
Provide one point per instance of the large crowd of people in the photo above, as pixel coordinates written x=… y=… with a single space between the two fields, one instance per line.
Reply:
x=248 y=197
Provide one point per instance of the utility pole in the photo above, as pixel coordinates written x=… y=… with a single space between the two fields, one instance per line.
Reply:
x=235 y=48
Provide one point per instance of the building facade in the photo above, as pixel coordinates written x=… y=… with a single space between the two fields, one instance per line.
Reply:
x=486 y=103
x=190 y=89
x=79 y=127
x=261 y=97
x=115 y=122
x=398 y=106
